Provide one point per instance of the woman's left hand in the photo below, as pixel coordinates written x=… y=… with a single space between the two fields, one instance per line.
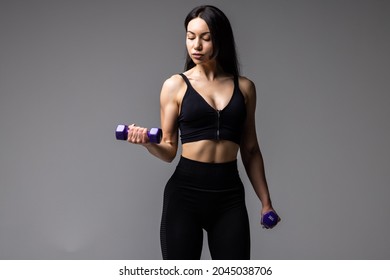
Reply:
x=264 y=212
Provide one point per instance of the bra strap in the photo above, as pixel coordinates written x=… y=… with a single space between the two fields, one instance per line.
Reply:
x=236 y=85
x=185 y=79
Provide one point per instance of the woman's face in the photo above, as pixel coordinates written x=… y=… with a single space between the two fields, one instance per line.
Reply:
x=199 y=44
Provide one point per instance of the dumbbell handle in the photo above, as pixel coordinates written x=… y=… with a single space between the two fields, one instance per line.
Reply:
x=154 y=134
x=270 y=219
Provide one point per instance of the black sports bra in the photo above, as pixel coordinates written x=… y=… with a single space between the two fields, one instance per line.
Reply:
x=198 y=120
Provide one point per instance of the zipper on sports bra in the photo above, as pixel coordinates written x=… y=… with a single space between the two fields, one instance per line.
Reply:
x=218 y=120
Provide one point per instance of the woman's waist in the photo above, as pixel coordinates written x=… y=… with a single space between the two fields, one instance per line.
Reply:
x=211 y=151
x=217 y=176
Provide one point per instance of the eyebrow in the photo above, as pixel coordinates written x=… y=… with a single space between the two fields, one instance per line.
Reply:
x=204 y=33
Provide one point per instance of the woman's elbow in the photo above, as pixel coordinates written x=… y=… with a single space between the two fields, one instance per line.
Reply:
x=171 y=154
x=250 y=151
x=169 y=159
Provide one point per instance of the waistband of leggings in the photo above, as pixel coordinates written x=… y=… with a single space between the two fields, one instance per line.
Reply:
x=203 y=175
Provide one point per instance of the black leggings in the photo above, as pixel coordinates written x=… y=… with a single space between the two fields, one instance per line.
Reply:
x=206 y=196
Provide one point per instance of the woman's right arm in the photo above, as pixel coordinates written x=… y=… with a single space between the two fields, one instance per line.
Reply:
x=169 y=110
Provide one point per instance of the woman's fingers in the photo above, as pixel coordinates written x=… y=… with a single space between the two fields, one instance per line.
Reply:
x=137 y=134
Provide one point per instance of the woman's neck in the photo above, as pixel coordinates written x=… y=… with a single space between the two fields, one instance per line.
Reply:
x=210 y=71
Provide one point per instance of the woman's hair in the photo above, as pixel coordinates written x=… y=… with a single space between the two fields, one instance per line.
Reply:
x=224 y=47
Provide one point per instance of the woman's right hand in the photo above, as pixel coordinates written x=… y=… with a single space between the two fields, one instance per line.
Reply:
x=137 y=135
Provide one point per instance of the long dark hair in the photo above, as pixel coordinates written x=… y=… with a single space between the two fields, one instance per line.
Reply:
x=222 y=38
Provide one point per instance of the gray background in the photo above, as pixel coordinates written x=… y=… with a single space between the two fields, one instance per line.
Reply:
x=70 y=71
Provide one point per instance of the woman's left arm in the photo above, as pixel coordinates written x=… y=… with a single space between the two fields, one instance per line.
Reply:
x=250 y=151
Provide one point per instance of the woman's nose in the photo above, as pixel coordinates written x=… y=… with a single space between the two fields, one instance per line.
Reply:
x=197 y=45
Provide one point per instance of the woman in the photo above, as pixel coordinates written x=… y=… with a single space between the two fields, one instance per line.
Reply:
x=214 y=109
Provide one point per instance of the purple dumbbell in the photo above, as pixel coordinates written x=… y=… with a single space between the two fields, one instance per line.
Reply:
x=270 y=219
x=154 y=134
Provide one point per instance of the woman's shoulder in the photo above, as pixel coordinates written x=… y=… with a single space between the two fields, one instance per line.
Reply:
x=246 y=85
x=173 y=87
x=174 y=82
x=245 y=81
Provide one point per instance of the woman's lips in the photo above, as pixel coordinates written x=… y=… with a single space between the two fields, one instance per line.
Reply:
x=197 y=55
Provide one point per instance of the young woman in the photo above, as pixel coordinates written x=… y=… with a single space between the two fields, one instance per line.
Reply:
x=214 y=109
